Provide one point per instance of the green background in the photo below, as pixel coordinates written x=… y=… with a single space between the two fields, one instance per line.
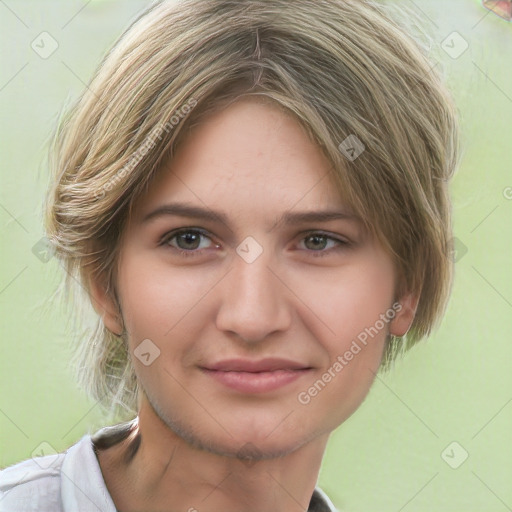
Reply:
x=456 y=386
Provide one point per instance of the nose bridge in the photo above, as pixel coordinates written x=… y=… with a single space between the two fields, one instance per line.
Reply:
x=253 y=300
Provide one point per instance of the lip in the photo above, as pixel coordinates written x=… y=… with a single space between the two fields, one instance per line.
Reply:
x=268 y=364
x=261 y=376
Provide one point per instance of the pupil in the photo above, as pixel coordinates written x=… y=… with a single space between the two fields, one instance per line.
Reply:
x=189 y=238
x=316 y=239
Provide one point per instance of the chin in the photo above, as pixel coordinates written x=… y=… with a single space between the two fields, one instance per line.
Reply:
x=249 y=437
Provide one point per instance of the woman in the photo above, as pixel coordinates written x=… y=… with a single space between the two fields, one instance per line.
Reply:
x=253 y=196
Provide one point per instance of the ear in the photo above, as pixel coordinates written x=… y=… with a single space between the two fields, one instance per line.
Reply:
x=404 y=317
x=105 y=305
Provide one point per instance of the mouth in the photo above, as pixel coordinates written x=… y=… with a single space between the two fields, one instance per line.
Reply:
x=262 y=376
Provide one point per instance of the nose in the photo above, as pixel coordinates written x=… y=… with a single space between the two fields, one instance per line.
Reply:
x=254 y=300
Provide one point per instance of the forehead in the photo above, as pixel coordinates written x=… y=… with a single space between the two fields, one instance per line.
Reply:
x=248 y=157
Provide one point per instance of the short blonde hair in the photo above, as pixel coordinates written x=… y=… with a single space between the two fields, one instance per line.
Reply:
x=346 y=70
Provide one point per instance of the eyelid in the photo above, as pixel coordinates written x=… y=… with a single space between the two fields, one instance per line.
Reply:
x=173 y=232
x=332 y=236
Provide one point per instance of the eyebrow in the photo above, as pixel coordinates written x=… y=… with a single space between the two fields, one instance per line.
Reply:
x=196 y=212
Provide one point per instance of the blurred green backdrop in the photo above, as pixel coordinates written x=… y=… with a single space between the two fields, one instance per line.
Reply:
x=456 y=387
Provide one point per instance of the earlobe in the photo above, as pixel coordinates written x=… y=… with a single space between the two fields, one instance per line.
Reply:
x=106 y=307
x=405 y=316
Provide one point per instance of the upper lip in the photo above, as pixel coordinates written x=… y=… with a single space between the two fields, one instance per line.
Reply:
x=262 y=365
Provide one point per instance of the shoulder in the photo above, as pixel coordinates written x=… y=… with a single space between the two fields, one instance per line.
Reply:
x=64 y=482
x=320 y=502
x=32 y=484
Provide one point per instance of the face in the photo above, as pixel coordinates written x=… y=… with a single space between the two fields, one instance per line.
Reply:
x=258 y=328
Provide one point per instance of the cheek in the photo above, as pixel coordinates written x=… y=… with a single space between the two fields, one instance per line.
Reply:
x=351 y=304
x=349 y=299
x=155 y=296
x=162 y=304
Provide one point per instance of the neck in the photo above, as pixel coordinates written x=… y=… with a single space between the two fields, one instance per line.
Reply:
x=156 y=469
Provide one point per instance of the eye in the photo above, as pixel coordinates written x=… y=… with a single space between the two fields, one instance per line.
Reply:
x=316 y=243
x=187 y=241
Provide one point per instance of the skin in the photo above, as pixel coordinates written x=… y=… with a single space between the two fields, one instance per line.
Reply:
x=254 y=163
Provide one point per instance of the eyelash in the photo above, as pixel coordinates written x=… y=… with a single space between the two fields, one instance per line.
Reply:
x=167 y=237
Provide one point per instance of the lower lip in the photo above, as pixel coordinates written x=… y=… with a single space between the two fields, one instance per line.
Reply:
x=256 y=382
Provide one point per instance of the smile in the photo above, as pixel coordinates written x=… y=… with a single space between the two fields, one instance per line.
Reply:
x=256 y=382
